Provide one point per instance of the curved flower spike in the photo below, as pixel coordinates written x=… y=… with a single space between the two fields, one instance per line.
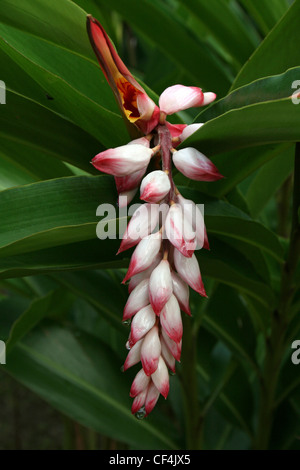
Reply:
x=132 y=99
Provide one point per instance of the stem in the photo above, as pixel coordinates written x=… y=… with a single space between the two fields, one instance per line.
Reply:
x=276 y=342
x=189 y=387
x=165 y=141
x=283 y=207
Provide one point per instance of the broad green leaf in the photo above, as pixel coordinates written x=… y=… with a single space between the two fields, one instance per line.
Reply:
x=259 y=91
x=52 y=213
x=11 y=308
x=224 y=25
x=227 y=318
x=37 y=310
x=36 y=139
x=227 y=265
x=202 y=66
x=91 y=254
x=89 y=319
x=234 y=408
x=55 y=362
x=266 y=13
x=100 y=290
x=269 y=122
x=75 y=83
x=61 y=23
x=277 y=53
x=268 y=180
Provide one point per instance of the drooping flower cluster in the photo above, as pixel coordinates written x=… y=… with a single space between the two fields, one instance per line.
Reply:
x=165 y=231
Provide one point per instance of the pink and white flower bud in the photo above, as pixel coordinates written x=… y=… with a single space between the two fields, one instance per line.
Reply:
x=160 y=286
x=151 y=398
x=140 y=141
x=142 y=322
x=134 y=355
x=179 y=231
x=135 y=280
x=129 y=182
x=160 y=378
x=188 y=269
x=194 y=165
x=150 y=351
x=189 y=130
x=141 y=224
x=194 y=215
x=139 y=401
x=181 y=292
x=209 y=97
x=175 y=348
x=126 y=197
x=140 y=383
x=155 y=186
x=122 y=161
x=138 y=299
x=170 y=319
x=179 y=97
x=167 y=356
x=143 y=255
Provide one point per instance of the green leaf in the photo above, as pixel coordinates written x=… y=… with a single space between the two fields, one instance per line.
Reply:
x=210 y=365
x=227 y=265
x=61 y=23
x=227 y=318
x=38 y=309
x=36 y=139
x=202 y=66
x=70 y=257
x=263 y=187
x=70 y=216
x=266 y=13
x=109 y=299
x=277 y=53
x=219 y=18
x=260 y=90
x=258 y=124
x=75 y=83
x=56 y=363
